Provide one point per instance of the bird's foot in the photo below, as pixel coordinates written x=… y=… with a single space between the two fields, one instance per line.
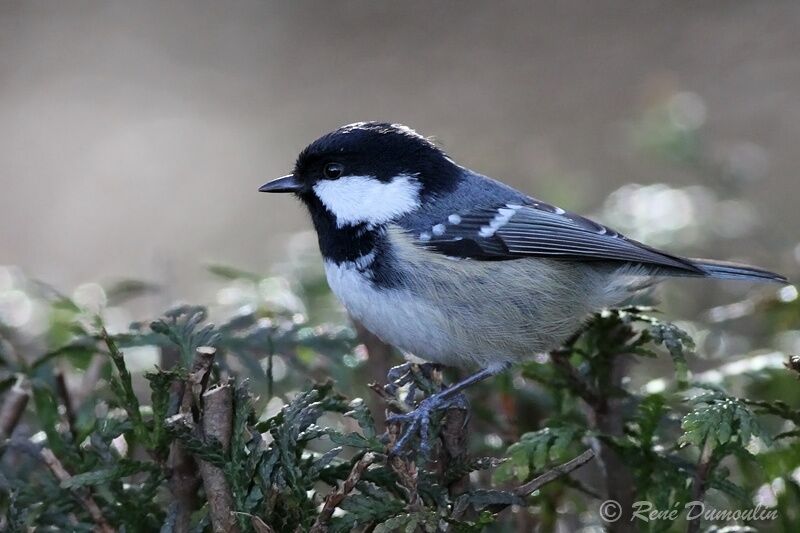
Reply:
x=417 y=423
x=403 y=374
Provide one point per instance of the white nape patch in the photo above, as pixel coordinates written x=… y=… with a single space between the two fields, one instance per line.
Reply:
x=454 y=219
x=357 y=199
x=502 y=217
x=438 y=229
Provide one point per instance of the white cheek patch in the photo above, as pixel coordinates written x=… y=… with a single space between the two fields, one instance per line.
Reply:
x=357 y=199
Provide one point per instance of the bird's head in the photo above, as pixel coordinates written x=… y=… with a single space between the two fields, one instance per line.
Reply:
x=368 y=173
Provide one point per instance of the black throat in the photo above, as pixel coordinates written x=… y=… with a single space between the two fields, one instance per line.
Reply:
x=340 y=244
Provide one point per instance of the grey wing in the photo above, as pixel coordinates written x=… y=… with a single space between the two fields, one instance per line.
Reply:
x=513 y=231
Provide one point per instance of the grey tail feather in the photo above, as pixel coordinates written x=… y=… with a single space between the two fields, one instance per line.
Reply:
x=736 y=271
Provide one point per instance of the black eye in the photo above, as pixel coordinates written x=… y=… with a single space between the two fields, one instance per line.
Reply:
x=333 y=170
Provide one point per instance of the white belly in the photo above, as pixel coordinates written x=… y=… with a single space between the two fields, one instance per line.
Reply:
x=394 y=315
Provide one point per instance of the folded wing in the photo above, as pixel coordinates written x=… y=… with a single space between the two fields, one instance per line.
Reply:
x=513 y=231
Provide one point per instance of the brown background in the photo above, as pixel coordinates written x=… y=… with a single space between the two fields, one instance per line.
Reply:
x=133 y=135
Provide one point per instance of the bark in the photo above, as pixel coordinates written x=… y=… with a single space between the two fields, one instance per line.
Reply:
x=217 y=424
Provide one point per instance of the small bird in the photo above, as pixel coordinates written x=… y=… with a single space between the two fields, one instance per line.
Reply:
x=457 y=268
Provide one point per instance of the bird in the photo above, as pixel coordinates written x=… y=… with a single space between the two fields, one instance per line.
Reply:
x=457 y=268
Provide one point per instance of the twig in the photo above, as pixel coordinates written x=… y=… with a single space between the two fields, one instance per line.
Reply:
x=13 y=407
x=83 y=495
x=380 y=356
x=260 y=526
x=559 y=358
x=700 y=482
x=454 y=442
x=538 y=482
x=217 y=424
x=198 y=377
x=405 y=467
x=333 y=499
x=606 y=417
x=91 y=376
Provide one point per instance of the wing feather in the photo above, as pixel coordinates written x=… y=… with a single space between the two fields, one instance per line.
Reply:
x=510 y=231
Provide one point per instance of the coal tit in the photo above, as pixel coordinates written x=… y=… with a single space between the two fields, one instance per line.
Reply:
x=455 y=267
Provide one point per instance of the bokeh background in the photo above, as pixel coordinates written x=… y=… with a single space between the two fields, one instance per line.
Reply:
x=135 y=134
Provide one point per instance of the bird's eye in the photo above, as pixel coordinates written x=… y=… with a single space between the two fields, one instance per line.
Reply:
x=333 y=170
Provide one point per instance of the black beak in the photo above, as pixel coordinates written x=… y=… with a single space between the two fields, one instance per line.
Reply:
x=282 y=184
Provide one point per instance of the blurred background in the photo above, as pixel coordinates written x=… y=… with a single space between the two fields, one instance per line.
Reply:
x=135 y=134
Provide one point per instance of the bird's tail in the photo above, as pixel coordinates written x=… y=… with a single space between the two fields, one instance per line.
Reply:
x=736 y=271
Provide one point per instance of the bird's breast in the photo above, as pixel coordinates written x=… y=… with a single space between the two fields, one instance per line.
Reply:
x=396 y=315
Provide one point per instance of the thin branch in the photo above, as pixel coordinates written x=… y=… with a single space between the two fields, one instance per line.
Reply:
x=90 y=378
x=577 y=383
x=333 y=499
x=379 y=360
x=83 y=495
x=13 y=407
x=561 y=470
x=700 y=482
x=198 y=377
x=606 y=416
x=551 y=475
x=260 y=526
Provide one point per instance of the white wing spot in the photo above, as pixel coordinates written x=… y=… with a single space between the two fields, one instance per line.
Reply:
x=438 y=229
x=454 y=219
x=502 y=217
x=424 y=236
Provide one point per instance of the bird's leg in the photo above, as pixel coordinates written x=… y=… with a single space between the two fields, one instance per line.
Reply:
x=418 y=421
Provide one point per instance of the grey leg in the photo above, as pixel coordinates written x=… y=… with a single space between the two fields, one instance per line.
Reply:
x=417 y=422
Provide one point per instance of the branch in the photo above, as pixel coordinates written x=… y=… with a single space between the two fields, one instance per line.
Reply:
x=582 y=388
x=217 y=424
x=379 y=360
x=561 y=470
x=198 y=377
x=336 y=497
x=606 y=416
x=13 y=407
x=83 y=495
x=93 y=374
x=700 y=482
x=183 y=479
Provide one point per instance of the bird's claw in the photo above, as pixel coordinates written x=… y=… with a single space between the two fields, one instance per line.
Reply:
x=418 y=421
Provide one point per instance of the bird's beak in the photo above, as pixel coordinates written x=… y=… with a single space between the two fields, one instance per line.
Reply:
x=283 y=184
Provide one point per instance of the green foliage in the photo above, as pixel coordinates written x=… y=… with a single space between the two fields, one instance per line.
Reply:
x=297 y=445
x=717 y=420
x=538 y=449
